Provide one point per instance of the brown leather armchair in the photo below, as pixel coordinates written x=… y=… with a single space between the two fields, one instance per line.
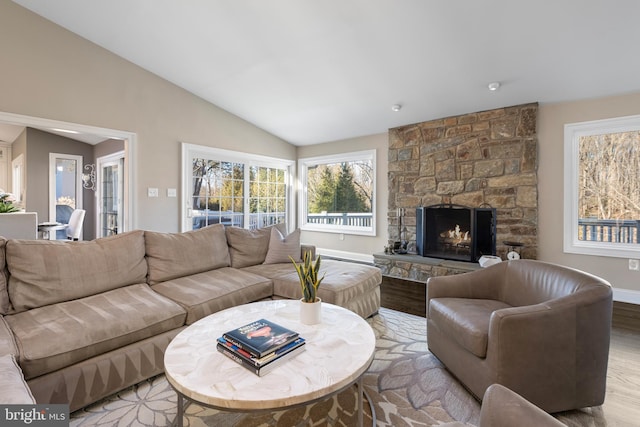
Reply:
x=540 y=329
x=502 y=407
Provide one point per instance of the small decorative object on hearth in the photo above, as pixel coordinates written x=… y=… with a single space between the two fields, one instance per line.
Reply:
x=308 y=273
x=514 y=249
x=6 y=203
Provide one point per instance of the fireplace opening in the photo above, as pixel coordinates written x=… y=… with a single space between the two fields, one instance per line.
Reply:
x=455 y=232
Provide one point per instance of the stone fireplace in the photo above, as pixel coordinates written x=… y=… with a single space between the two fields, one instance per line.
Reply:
x=486 y=159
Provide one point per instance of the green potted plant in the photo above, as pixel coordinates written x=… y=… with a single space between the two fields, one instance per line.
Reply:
x=6 y=203
x=308 y=273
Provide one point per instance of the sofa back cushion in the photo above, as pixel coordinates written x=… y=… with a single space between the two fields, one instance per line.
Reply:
x=5 y=304
x=282 y=246
x=249 y=247
x=172 y=255
x=44 y=272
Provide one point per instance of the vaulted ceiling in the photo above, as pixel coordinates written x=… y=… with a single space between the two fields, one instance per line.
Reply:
x=312 y=71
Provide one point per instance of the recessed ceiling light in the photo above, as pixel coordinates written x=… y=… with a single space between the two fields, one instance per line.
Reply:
x=493 y=86
x=396 y=107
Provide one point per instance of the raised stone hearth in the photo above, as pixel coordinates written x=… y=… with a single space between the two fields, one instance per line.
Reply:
x=419 y=268
x=483 y=159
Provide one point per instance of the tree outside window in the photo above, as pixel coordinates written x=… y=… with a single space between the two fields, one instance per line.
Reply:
x=602 y=187
x=338 y=193
x=233 y=188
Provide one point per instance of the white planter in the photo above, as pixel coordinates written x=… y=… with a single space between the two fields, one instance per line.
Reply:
x=310 y=312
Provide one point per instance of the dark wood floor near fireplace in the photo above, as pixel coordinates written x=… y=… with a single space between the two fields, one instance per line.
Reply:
x=408 y=296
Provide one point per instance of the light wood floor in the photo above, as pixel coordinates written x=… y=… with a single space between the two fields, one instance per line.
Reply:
x=622 y=402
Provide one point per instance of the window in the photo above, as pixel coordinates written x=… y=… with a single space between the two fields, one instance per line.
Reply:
x=232 y=188
x=602 y=187
x=338 y=193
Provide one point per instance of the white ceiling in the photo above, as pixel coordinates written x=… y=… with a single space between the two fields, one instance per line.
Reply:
x=313 y=71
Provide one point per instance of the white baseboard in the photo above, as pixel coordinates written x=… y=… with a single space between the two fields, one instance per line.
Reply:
x=351 y=256
x=626 y=295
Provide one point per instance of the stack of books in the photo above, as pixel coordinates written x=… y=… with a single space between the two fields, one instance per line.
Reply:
x=261 y=346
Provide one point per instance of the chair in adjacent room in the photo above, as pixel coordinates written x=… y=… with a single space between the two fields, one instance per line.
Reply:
x=63 y=213
x=74 y=231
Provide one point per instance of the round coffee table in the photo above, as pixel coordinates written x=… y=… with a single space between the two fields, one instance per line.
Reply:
x=338 y=352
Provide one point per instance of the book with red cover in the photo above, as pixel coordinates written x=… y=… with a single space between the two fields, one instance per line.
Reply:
x=261 y=337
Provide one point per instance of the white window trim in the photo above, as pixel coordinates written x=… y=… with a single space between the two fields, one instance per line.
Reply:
x=193 y=150
x=305 y=163
x=53 y=157
x=572 y=134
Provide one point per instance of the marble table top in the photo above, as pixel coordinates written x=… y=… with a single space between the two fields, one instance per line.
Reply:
x=338 y=351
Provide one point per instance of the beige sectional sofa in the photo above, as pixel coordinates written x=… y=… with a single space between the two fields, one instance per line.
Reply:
x=86 y=319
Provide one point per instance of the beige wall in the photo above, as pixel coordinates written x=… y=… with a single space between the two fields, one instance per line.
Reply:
x=552 y=118
x=354 y=246
x=48 y=72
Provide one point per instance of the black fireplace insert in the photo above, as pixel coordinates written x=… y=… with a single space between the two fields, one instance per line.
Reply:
x=455 y=232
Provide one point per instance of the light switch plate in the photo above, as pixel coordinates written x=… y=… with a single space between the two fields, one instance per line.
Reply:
x=152 y=192
x=171 y=192
x=634 y=264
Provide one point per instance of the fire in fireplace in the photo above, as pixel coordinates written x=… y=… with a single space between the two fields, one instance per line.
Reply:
x=455 y=232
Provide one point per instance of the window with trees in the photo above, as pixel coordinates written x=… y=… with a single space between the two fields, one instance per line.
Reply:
x=232 y=188
x=338 y=193
x=602 y=187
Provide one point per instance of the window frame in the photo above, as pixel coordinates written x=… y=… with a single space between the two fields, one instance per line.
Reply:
x=189 y=151
x=572 y=134
x=303 y=166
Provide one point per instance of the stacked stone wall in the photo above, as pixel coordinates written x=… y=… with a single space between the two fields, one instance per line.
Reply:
x=483 y=159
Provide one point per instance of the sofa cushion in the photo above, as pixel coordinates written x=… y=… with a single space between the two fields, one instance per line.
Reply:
x=171 y=255
x=271 y=271
x=5 y=304
x=282 y=247
x=59 y=335
x=206 y=293
x=46 y=272
x=247 y=247
x=343 y=281
x=465 y=320
x=13 y=388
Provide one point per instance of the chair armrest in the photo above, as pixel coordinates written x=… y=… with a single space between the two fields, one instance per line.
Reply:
x=484 y=284
x=502 y=407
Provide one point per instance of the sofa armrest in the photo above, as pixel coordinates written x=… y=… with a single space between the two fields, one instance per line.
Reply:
x=482 y=284
x=13 y=387
x=7 y=341
x=502 y=407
